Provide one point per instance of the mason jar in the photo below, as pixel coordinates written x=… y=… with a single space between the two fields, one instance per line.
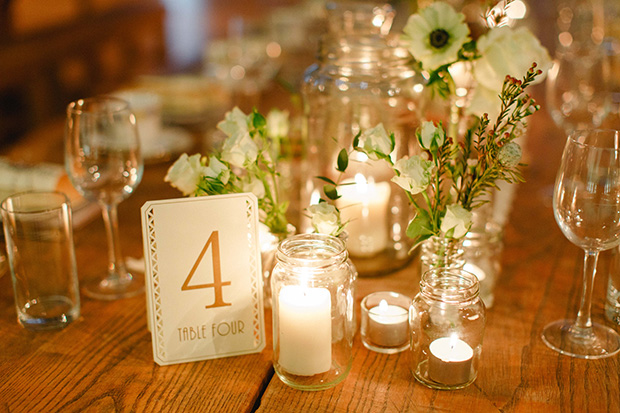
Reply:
x=313 y=315
x=447 y=320
x=363 y=77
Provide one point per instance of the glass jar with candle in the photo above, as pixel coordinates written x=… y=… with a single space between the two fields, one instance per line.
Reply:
x=313 y=316
x=447 y=320
x=363 y=78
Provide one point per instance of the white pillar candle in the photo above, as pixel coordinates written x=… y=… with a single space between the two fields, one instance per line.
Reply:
x=305 y=330
x=365 y=205
x=450 y=361
x=388 y=325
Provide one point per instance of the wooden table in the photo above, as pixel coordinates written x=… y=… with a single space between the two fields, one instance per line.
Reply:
x=103 y=361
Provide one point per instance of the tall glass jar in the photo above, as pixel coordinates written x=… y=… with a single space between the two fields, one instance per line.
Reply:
x=313 y=316
x=447 y=320
x=362 y=78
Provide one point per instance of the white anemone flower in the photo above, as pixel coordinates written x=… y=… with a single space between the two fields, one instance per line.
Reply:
x=435 y=35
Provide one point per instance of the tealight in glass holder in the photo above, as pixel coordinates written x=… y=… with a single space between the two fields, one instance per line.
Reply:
x=447 y=320
x=313 y=316
x=385 y=322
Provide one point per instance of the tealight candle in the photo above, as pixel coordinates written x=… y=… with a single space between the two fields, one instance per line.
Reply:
x=305 y=330
x=385 y=322
x=450 y=361
x=364 y=204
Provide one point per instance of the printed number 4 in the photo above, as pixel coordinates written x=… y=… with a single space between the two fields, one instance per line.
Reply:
x=214 y=242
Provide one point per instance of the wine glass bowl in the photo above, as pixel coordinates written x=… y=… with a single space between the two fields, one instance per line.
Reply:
x=586 y=206
x=103 y=161
x=576 y=89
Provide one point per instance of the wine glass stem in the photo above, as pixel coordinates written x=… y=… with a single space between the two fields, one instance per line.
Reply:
x=583 y=324
x=116 y=264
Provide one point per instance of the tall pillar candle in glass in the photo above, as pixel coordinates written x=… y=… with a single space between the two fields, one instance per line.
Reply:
x=362 y=78
x=313 y=316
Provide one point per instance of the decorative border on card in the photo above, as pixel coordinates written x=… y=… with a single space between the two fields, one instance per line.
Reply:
x=159 y=321
x=256 y=285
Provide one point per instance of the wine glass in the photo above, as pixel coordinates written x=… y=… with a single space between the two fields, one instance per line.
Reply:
x=103 y=160
x=586 y=205
x=576 y=88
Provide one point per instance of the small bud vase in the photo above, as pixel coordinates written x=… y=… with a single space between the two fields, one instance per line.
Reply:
x=441 y=252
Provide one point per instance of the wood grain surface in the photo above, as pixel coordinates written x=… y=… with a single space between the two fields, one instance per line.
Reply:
x=103 y=361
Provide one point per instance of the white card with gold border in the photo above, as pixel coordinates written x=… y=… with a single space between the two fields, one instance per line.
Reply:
x=203 y=277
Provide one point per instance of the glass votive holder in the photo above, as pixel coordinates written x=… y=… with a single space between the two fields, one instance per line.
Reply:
x=447 y=319
x=313 y=314
x=385 y=322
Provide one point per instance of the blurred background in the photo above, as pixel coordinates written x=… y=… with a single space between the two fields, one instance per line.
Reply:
x=201 y=56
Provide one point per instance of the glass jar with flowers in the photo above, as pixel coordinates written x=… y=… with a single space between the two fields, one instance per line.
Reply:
x=247 y=162
x=451 y=178
x=460 y=165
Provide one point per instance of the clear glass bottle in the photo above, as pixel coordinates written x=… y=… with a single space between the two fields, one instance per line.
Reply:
x=313 y=315
x=447 y=320
x=362 y=78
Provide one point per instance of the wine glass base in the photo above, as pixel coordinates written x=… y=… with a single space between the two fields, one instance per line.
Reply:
x=114 y=288
x=600 y=342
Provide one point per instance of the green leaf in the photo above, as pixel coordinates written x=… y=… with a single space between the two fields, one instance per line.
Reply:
x=326 y=179
x=420 y=225
x=418 y=241
x=356 y=140
x=343 y=160
x=331 y=192
x=258 y=120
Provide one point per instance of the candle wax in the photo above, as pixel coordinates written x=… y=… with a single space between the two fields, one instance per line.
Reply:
x=450 y=361
x=388 y=325
x=365 y=206
x=305 y=330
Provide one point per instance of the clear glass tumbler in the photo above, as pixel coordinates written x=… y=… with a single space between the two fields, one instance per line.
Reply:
x=39 y=240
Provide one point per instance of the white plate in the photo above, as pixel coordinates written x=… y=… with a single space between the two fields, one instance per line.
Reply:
x=170 y=142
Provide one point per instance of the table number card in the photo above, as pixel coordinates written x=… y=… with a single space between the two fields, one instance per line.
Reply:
x=203 y=269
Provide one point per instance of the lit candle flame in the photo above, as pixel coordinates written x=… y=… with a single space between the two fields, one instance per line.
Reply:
x=453 y=340
x=383 y=306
